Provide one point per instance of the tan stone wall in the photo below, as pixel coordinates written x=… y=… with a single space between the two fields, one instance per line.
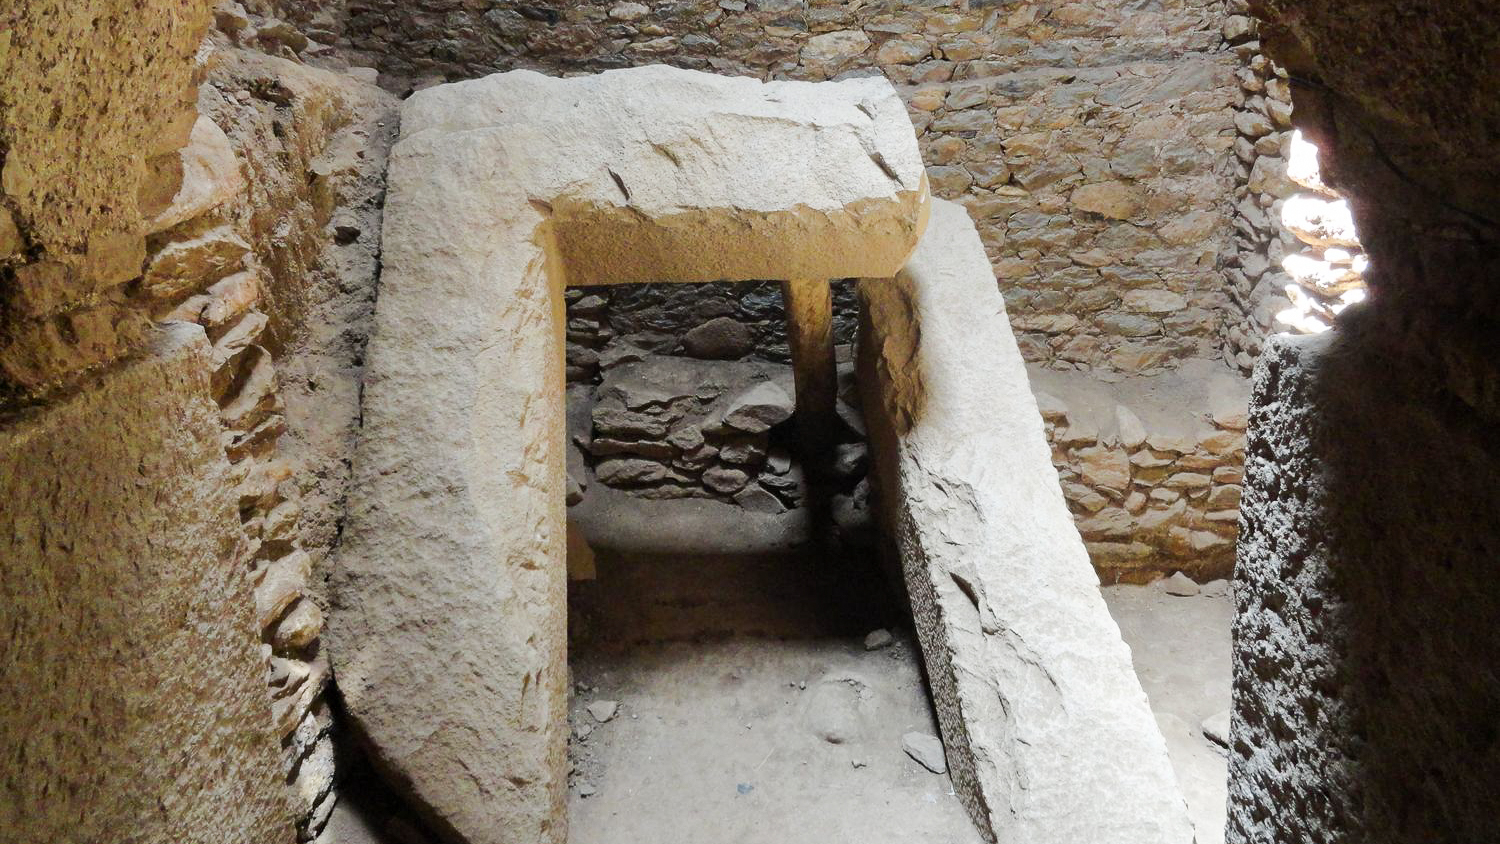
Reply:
x=168 y=179
x=279 y=272
x=93 y=107
x=133 y=705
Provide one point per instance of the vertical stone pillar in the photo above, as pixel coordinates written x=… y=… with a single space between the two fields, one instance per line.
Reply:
x=809 y=323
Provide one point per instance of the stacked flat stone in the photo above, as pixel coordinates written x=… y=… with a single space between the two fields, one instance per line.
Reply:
x=714 y=321
x=203 y=271
x=1327 y=271
x=666 y=427
x=1149 y=502
x=1297 y=260
x=1084 y=138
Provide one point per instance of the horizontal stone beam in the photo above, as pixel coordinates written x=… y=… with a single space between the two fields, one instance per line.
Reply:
x=1049 y=736
x=657 y=174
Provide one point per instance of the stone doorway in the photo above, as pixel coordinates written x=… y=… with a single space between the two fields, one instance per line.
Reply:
x=449 y=615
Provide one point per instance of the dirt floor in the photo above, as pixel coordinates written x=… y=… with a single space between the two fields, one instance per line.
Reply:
x=732 y=700
x=1181 y=650
x=748 y=732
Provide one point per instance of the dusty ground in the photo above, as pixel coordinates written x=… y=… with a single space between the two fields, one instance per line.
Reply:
x=751 y=741
x=725 y=736
x=748 y=711
x=1181 y=651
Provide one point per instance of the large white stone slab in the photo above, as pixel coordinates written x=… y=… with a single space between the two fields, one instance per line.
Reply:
x=447 y=630
x=1048 y=733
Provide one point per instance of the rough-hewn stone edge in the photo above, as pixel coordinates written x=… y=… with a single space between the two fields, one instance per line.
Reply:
x=1048 y=733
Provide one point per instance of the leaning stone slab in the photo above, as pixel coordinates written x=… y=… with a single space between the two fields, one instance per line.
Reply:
x=133 y=697
x=1048 y=734
x=447 y=628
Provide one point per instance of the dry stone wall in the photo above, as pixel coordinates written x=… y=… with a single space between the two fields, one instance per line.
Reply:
x=713 y=321
x=1091 y=143
x=274 y=271
x=1151 y=467
x=1298 y=260
x=1090 y=140
x=1125 y=167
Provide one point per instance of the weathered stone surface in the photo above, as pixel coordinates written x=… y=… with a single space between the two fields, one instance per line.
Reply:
x=1115 y=200
x=721 y=338
x=849 y=188
x=87 y=93
x=1364 y=568
x=827 y=52
x=10 y=236
x=926 y=750
x=809 y=331
x=1365 y=584
x=186 y=265
x=1048 y=734
x=759 y=408
x=449 y=595
x=133 y=683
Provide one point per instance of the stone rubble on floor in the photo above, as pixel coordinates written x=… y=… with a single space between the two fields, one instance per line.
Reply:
x=927 y=750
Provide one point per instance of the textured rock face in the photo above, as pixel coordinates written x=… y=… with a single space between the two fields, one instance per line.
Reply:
x=133 y=701
x=447 y=627
x=1048 y=733
x=1366 y=602
x=94 y=107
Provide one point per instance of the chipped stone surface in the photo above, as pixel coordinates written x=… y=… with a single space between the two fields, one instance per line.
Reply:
x=203 y=175
x=1048 y=733
x=500 y=189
